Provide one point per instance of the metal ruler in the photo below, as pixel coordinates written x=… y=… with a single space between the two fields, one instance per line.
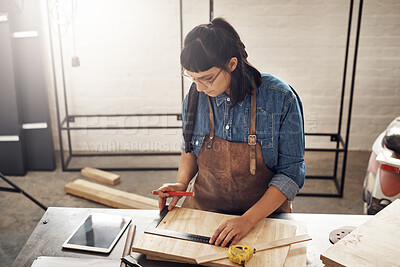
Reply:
x=152 y=229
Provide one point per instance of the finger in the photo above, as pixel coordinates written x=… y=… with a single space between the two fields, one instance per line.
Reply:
x=161 y=202
x=163 y=188
x=173 y=203
x=217 y=232
x=228 y=238
x=222 y=236
x=162 y=194
x=171 y=187
x=236 y=239
x=162 y=191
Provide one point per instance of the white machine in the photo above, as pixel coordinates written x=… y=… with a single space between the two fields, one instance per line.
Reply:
x=382 y=180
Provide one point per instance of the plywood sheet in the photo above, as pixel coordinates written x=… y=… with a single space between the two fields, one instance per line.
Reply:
x=374 y=243
x=204 y=223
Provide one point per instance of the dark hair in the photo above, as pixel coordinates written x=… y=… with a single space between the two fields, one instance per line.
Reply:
x=213 y=45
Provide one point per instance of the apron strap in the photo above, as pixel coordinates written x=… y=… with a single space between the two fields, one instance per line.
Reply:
x=210 y=140
x=252 y=140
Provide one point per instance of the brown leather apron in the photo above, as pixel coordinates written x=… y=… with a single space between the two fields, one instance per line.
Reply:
x=227 y=181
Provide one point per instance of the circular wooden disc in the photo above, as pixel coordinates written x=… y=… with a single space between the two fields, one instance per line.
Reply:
x=340 y=233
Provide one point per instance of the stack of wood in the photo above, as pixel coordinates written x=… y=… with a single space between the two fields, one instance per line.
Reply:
x=374 y=243
x=105 y=195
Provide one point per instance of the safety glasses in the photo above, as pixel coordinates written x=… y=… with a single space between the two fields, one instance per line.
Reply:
x=206 y=82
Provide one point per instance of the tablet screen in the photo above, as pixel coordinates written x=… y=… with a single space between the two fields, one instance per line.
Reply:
x=98 y=232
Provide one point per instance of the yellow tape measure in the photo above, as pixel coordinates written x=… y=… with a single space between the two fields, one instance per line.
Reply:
x=240 y=254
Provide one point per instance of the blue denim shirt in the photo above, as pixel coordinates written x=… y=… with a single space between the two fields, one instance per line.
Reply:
x=279 y=129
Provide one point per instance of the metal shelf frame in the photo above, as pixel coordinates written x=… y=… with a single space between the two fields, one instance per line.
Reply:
x=16 y=189
x=341 y=142
x=64 y=124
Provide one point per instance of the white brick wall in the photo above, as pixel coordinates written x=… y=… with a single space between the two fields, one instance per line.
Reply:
x=129 y=53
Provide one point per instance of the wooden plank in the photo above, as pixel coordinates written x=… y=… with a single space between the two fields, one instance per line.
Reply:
x=100 y=175
x=374 y=243
x=128 y=243
x=297 y=255
x=204 y=223
x=259 y=247
x=109 y=196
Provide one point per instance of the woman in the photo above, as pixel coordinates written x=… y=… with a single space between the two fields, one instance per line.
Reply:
x=243 y=131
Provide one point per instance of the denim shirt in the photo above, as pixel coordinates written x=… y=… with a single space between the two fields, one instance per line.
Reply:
x=279 y=129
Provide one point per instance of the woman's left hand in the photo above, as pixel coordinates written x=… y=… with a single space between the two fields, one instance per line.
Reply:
x=233 y=229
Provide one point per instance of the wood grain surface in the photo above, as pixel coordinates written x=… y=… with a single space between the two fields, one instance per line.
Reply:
x=101 y=176
x=204 y=223
x=109 y=196
x=374 y=243
x=257 y=247
x=297 y=255
x=58 y=223
x=128 y=242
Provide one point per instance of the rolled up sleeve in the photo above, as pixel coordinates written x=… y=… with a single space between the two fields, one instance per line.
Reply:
x=290 y=168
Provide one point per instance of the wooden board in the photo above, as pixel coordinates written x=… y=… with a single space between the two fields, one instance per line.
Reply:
x=374 y=243
x=204 y=223
x=257 y=247
x=101 y=176
x=109 y=196
x=297 y=255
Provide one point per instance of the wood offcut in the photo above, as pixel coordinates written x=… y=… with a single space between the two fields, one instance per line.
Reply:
x=109 y=196
x=101 y=176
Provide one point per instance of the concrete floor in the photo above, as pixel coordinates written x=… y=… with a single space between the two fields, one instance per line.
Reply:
x=19 y=216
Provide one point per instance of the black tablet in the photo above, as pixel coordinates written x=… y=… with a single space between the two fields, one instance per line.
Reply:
x=98 y=232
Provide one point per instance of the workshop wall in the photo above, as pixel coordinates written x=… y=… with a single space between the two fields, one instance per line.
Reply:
x=303 y=42
x=129 y=63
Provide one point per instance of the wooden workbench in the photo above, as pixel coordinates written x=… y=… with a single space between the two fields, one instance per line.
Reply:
x=58 y=223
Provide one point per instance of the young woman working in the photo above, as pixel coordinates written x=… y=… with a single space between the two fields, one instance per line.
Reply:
x=244 y=139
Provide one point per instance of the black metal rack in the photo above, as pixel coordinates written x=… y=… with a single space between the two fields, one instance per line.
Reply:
x=16 y=189
x=341 y=145
x=64 y=123
x=341 y=142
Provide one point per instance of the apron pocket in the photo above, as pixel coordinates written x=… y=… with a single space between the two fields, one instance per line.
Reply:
x=267 y=149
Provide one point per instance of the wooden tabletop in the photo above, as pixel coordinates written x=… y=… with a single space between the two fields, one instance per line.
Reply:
x=58 y=223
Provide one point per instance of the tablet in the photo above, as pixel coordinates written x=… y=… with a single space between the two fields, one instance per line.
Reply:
x=98 y=232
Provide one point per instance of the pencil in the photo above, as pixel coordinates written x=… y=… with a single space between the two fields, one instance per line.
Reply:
x=174 y=193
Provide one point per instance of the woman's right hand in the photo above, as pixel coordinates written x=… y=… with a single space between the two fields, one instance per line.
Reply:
x=162 y=195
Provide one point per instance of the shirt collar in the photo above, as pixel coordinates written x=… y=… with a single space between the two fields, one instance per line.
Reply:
x=219 y=99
